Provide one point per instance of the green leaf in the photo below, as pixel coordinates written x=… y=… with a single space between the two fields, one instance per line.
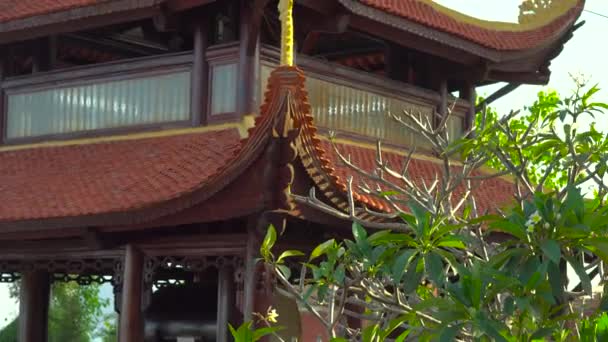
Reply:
x=400 y=265
x=340 y=274
x=321 y=249
x=392 y=326
x=287 y=254
x=555 y=279
x=403 y=336
x=508 y=227
x=451 y=242
x=448 y=334
x=434 y=268
x=370 y=333
x=413 y=276
x=285 y=271
x=338 y=339
x=261 y=332
x=552 y=250
x=579 y=269
x=268 y=243
x=602 y=328
x=359 y=233
x=540 y=333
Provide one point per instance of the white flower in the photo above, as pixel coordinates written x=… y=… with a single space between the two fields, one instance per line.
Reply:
x=535 y=218
x=530 y=227
x=547 y=225
x=271 y=315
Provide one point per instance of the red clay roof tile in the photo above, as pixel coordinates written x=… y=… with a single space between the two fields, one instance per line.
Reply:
x=491 y=194
x=17 y=9
x=425 y=14
x=82 y=180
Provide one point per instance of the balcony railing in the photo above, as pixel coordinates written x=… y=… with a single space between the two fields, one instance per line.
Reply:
x=360 y=104
x=139 y=92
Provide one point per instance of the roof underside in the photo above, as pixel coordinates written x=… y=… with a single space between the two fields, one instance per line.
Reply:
x=21 y=14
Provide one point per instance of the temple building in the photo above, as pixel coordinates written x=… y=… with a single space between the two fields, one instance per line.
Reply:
x=149 y=143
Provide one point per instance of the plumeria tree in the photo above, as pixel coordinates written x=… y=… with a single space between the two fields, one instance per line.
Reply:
x=437 y=268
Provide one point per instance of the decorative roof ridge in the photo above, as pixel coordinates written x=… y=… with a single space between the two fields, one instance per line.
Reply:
x=484 y=38
x=242 y=127
x=308 y=145
x=533 y=21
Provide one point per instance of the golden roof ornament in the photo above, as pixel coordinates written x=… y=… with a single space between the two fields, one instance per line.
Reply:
x=542 y=12
x=287 y=42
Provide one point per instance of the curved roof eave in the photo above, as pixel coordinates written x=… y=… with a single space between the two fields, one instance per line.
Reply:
x=503 y=43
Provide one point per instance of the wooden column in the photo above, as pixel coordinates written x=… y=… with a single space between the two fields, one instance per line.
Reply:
x=225 y=302
x=200 y=72
x=469 y=94
x=131 y=318
x=3 y=73
x=34 y=306
x=249 y=281
x=249 y=56
x=442 y=108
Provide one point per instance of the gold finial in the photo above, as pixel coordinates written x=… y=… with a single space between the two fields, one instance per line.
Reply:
x=543 y=11
x=286 y=17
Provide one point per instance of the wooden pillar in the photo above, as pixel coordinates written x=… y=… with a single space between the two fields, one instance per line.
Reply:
x=249 y=281
x=249 y=57
x=3 y=72
x=200 y=72
x=225 y=302
x=469 y=94
x=34 y=306
x=131 y=318
x=442 y=108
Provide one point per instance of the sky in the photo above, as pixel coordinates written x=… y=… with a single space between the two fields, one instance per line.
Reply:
x=585 y=54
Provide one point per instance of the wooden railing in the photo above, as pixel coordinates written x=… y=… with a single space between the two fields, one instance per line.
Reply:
x=120 y=94
x=360 y=104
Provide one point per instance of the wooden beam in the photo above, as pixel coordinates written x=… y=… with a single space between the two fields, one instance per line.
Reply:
x=497 y=95
x=131 y=318
x=34 y=306
x=225 y=302
x=200 y=72
x=337 y=23
x=93 y=239
x=538 y=78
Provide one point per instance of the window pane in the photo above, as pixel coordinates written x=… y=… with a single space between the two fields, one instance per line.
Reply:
x=223 y=89
x=101 y=105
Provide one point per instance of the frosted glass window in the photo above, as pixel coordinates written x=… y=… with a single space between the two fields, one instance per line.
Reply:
x=145 y=100
x=349 y=109
x=223 y=89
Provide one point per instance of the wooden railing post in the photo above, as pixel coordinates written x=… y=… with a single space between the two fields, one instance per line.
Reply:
x=131 y=318
x=200 y=73
x=34 y=306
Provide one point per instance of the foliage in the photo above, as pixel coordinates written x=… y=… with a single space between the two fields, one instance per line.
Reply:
x=439 y=269
x=74 y=313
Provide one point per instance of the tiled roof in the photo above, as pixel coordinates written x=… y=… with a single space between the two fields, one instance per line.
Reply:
x=17 y=9
x=421 y=12
x=330 y=175
x=109 y=177
x=491 y=194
